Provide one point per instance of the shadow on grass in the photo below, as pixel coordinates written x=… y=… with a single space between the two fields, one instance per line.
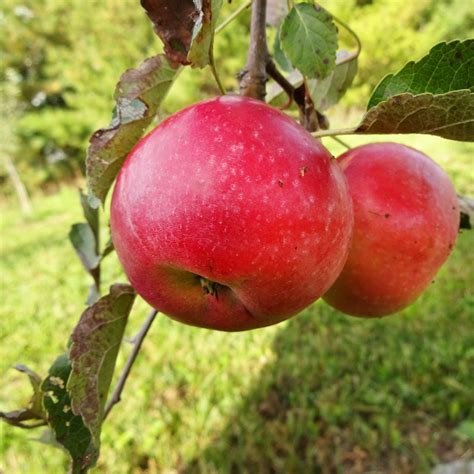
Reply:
x=345 y=395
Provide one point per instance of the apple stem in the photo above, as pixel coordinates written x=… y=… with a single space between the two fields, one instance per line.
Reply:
x=138 y=341
x=254 y=77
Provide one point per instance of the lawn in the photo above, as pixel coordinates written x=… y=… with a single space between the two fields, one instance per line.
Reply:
x=319 y=393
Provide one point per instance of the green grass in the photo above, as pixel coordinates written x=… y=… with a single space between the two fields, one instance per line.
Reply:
x=319 y=393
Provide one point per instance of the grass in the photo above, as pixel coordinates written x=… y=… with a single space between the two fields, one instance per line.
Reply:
x=319 y=393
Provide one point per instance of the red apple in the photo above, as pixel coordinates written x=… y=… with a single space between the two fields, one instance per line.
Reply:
x=406 y=220
x=230 y=216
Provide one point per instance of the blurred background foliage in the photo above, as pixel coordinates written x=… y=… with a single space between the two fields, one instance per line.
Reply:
x=319 y=393
x=60 y=62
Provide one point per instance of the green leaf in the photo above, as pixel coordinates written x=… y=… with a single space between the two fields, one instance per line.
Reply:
x=84 y=242
x=34 y=411
x=279 y=55
x=91 y=213
x=93 y=353
x=309 y=40
x=138 y=95
x=448 y=115
x=203 y=32
x=328 y=91
x=69 y=428
x=447 y=67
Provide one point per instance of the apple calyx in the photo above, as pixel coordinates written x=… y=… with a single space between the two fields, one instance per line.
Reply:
x=209 y=287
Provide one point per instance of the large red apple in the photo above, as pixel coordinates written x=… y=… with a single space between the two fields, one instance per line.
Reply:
x=406 y=220
x=230 y=216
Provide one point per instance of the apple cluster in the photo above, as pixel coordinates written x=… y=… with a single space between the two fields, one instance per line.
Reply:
x=231 y=216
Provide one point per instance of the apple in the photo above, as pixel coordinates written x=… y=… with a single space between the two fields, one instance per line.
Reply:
x=406 y=220
x=230 y=216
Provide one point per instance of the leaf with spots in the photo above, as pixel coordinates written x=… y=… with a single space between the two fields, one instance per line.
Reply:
x=138 y=95
x=447 y=67
x=203 y=33
x=326 y=92
x=186 y=28
x=329 y=91
x=448 y=115
x=69 y=428
x=309 y=40
x=279 y=55
x=33 y=415
x=93 y=353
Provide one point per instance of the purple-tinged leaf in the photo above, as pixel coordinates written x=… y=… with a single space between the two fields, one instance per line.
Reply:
x=186 y=28
x=138 y=95
x=449 y=115
x=93 y=353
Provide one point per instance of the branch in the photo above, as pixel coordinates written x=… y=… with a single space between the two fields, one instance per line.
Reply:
x=356 y=38
x=232 y=17
x=282 y=81
x=253 y=77
x=140 y=337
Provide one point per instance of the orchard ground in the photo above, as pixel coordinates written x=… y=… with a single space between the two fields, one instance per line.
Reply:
x=321 y=392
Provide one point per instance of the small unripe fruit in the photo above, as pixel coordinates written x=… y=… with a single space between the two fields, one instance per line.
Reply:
x=406 y=220
x=230 y=216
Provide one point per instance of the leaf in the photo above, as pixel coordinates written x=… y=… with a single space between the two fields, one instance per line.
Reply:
x=173 y=22
x=276 y=11
x=34 y=411
x=35 y=405
x=328 y=91
x=186 y=28
x=108 y=249
x=279 y=55
x=138 y=96
x=448 y=115
x=447 y=67
x=84 y=242
x=309 y=40
x=69 y=428
x=90 y=213
x=203 y=32
x=466 y=207
x=93 y=353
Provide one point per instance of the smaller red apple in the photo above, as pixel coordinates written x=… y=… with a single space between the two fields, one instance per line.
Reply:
x=406 y=220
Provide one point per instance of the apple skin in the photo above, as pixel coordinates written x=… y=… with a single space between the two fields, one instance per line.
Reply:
x=235 y=192
x=406 y=220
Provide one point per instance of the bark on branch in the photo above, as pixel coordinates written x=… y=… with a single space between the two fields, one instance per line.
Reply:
x=253 y=77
